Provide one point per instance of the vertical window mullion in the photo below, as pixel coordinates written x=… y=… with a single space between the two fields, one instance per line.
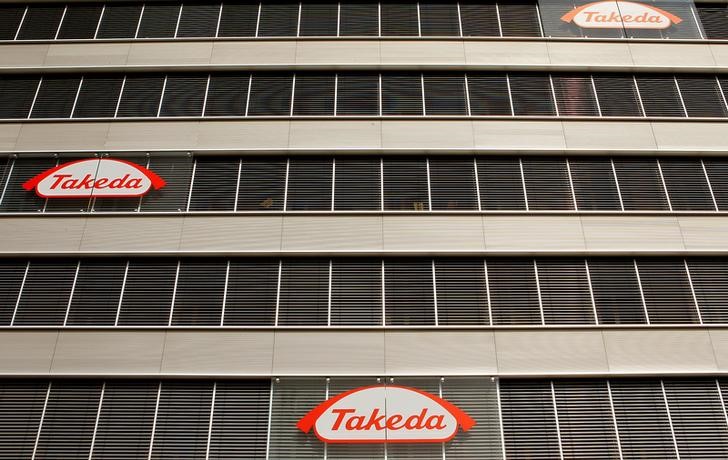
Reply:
x=118 y=101
x=591 y=292
x=419 y=21
x=336 y=92
x=487 y=292
x=379 y=29
x=285 y=187
x=596 y=96
x=293 y=92
x=70 y=296
x=219 y=19
x=722 y=93
x=7 y=180
x=639 y=96
x=500 y=34
x=381 y=184
x=679 y=94
x=60 y=23
x=477 y=184
x=212 y=416
x=553 y=94
x=278 y=292
x=614 y=420
x=121 y=293
x=460 y=29
x=154 y=421
x=75 y=99
x=35 y=97
x=207 y=91
x=571 y=185
x=331 y=272
x=538 y=291
x=422 y=88
x=467 y=89
x=192 y=184
x=540 y=28
x=237 y=185
x=333 y=183
x=692 y=291
x=429 y=186
x=96 y=423
x=556 y=419
x=338 y=20
x=224 y=293
x=642 y=292
x=616 y=181
x=510 y=96
x=139 y=22
x=669 y=418
x=257 y=23
x=664 y=184
x=22 y=20
x=523 y=183
x=174 y=293
x=722 y=402
x=247 y=98
x=298 y=26
x=434 y=292
x=379 y=93
x=161 y=99
x=270 y=419
x=42 y=418
x=179 y=18
x=384 y=298
x=20 y=293
x=707 y=179
x=101 y=18
x=500 y=418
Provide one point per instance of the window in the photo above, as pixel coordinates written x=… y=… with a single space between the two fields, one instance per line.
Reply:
x=304 y=295
x=176 y=169
x=119 y=20
x=184 y=95
x=640 y=184
x=96 y=293
x=667 y=291
x=80 y=21
x=479 y=19
x=140 y=96
x=575 y=95
x=356 y=292
x=439 y=19
x=501 y=184
x=686 y=184
x=319 y=18
x=15 y=198
x=617 y=95
x=358 y=185
x=148 y=292
x=200 y=290
x=547 y=184
x=357 y=94
x=227 y=95
x=41 y=22
x=401 y=94
x=314 y=94
x=310 y=185
x=10 y=17
x=564 y=288
x=270 y=94
x=399 y=18
x=240 y=423
x=709 y=279
x=198 y=19
x=214 y=184
x=453 y=184
x=46 y=292
x=445 y=94
x=16 y=95
x=714 y=18
x=262 y=185
x=252 y=288
x=594 y=183
x=98 y=96
x=616 y=291
x=12 y=273
x=531 y=94
x=519 y=19
x=405 y=185
x=513 y=292
x=529 y=420
x=278 y=19
x=183 y=420
x=461 y=292
x=660 y=96
x=21 y=408
x=489 y=94
x=159 y=20
x=238 y=19
x=359 y=18
x=409 y=296
x=702 y=96
x=55 y=97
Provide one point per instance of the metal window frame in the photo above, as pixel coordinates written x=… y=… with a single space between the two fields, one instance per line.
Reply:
x=70 y=295
x=20 y=24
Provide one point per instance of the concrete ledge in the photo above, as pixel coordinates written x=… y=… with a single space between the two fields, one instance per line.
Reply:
x=231 y=353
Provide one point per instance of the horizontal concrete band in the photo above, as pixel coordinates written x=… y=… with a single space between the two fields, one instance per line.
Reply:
x=372 y=135
x=370 y=54
x=365 y=234
x=331 y=353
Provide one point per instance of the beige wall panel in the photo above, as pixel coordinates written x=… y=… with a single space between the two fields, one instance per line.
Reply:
x=440 y=353
x=336 y=134
x=720 y=54
x=332 y=233
x=117 y=352
x=231 y=233
x=338 y=53
x=536 y=233
x=9 y=135
x=704 y=233
x=31 y=235
x=27 y=352
x=659 y=351
x=421 y=52
x=83 y=54
x=609 y=136
x=172 y=135
x=329 y=353
x=506 y=53
x=427 y=134
x=257 y=52
x=25 y=55
x=62 y=136
x=272 y=134
x=719 y=340
x=157 y=54
x=427 y=233
x=218 y=352
x=690 y=137
x=517 y=135
x=550 y=352
x=576 y=54
x=632 y=233
x=677 y=55
x=132 y=234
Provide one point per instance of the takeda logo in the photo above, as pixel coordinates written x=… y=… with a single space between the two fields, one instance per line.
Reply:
x=100 y=178
x=620 y=14
x=391 y=414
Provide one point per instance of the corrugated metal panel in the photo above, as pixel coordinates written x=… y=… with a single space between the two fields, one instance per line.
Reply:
x=501 y=184
x=126 y=420
x=240 y=422
x=586 y=424
x=358 y=185
x=250 y=298
x=709 y=279
x=564 y=289
x=529 y=420
x=513 y=292
x=408 y=289
x=667 y=291
x=461 y=292
x=304 y=293
x=616 y=291
x=292 y=399
x=198 y=19
x=698 y=418
x=182 y=421
x=200 y=290
x=642 y=419
x=46 y=291
x=21 y=408
x=319 y=19
x=159 y=20
x=119 y=20
x=95 y=299
x=69 y=420
x=356 y=292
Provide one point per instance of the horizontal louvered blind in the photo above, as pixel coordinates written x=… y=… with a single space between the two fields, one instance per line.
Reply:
x=318 y=18
x=46 y=290
x=10 y=17
x=262 y=185
x=547 y=184
x=660 y=96
x=240 y=421
x=439 y=19
x=119 y=20
x=616 y=291
x=709 y=278
x=227 y=94
x=184 y=95
x=176 y=170
x=488 y=94
x=513 y=292
x=12 y=273
x=617 y=95
x=501 y=184
x=292 y=399
x=479 y=19
x=358 y=185
x=519 y=19
x=96 y=293
x=529 y=420
x=251 y=294
x=667 y=292
x=80 y=21
x=531 y=94
x=314 y=94
x=575 y=95
x=140 y=96
x=714 y=19
x=278 y=19
x=304 y=293
x=409 y=294
x=148 y=291
x=159 y=20
x=453 y=184
x=238 y=19
x=640 y=184
x=198 y=19
x=310 y=185
x=405 y=185
x=687 y=185
x=356 y=293
x=98 y=96
x=445 y=94
x=41 y=22
x=270 y=94
x=16 y=95
x=182 y=420
x=21 y=409
x=595 y=186
x=55 y=97
x=357 y=94
x=359 y=18
x=461 y=292
x=564 y=288
x=702 y=96
x=402 y=94
x=199 y=295
x=214 y=185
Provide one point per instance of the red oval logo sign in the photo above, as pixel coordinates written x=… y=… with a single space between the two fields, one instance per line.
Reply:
x=99 y=178
x=620 y=14
x=385 y=414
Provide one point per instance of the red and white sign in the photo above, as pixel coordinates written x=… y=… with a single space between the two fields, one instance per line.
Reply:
x=620 y=14
x=385 y=413
x=100 y=178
